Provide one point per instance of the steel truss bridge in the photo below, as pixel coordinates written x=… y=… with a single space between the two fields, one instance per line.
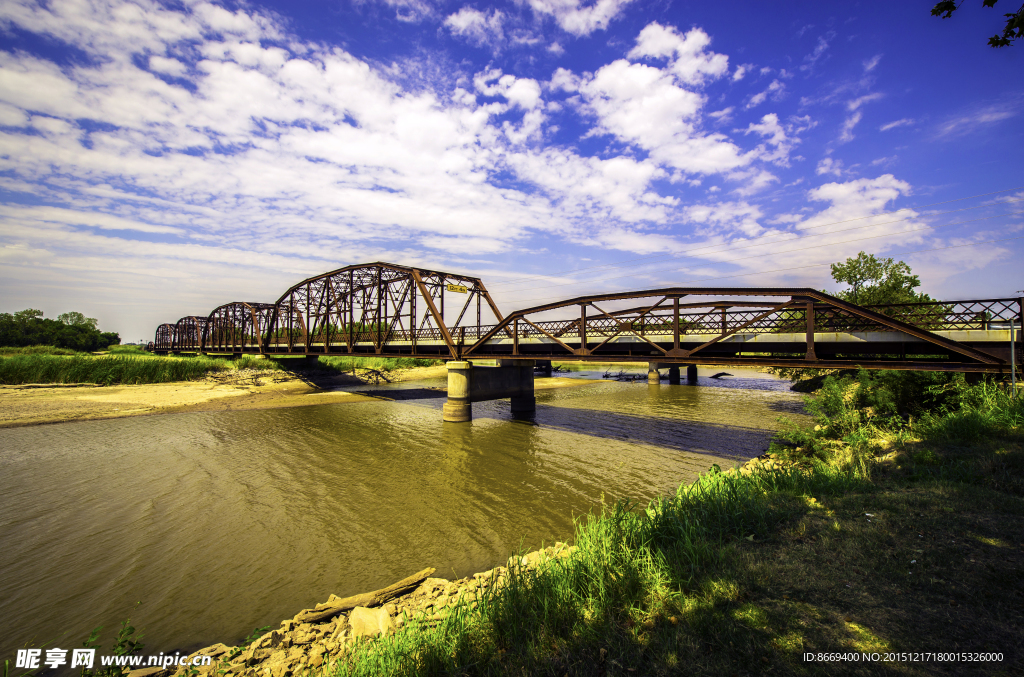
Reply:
x=389 y=310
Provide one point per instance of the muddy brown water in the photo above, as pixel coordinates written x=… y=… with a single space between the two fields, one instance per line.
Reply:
x=219 y=522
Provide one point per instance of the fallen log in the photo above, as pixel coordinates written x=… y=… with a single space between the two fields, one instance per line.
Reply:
x=329 y=610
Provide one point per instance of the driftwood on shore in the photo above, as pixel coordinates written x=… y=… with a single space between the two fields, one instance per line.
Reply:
x=332 y=608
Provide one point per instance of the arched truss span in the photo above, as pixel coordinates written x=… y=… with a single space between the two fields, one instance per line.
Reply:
x=164 y=339
x=380 y=307
x=189 y=334
x=238 y=327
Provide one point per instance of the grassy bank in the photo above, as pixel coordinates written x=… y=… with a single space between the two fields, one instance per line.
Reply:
x=876 y=531
x=131 y=366
x=115 y=369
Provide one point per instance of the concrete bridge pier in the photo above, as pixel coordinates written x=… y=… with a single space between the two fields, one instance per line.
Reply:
x=654 y=376
x=468 y=383
x=544 y=366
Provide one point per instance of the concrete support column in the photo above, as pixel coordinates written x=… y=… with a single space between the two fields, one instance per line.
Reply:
x=545 y=366
x=458 y=408
x=311 y=361
x=691 y=374
x=653 y=376
x=673 y=374
x=525 y=402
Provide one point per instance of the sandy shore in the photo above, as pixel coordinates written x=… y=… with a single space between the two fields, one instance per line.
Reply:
x=31 y=404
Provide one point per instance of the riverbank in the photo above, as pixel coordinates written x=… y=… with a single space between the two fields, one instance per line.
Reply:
x=241 y=389
x=895 y=552
x=832 y=566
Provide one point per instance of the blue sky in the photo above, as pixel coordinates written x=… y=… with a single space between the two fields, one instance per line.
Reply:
x=158 y=160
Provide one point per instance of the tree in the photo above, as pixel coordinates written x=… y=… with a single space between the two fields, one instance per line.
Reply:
x=76 y=319
x=1013 y=29
x=875 y=281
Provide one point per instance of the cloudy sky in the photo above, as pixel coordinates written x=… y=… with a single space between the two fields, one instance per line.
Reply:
x=160 y=159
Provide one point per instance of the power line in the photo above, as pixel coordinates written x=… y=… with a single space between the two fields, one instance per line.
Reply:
x=823 y=225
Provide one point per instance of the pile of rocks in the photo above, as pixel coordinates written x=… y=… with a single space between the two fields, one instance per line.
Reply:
x=324 y=633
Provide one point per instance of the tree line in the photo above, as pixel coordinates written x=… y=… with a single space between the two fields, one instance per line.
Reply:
x=70 y=330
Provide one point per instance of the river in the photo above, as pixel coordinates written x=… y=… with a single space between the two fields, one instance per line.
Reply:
x=219 y=522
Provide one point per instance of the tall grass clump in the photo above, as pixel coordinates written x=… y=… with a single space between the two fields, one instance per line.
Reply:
x=343 y=364
x=126 y=349
x=105 y=370
x=969 y=413
x=38 y=350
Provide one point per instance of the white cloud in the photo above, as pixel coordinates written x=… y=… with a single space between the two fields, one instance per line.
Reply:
x=686 y=54
x=171 y=67
x=476 y=27
x=846 y=131
x=872 y=63
x=976 y=119
x=775 y=90
x=740 y=71
x=829 y=166
x=521 y=92
x=777 y=144
x=574 y=16
x=643 y=105
x=854 y=104
x=819 y=51
x=897 y=123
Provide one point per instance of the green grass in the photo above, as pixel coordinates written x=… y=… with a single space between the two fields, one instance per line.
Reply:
x=106 y=370
x=882 y=533
x=129 y=349
x=343 y=364
x=38 y=350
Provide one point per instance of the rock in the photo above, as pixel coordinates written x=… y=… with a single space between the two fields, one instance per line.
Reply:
x=340 y=627
x=270 y=640
x=533 y=559
x=367 y=622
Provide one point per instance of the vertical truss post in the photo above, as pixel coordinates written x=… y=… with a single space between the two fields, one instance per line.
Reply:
x=675 y=323
x=380 y=293
x=810 y=331
x=351 y=309
x=724 y=325
x=583 y=329
x=478 y=313
x=412 y=314
x=515 y=337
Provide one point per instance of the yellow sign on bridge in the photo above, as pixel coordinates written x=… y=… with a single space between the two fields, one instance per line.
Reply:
x=458 y=288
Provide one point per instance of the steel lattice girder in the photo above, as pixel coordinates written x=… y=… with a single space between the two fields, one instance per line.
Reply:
x=710 y=332
x=237 y=327
x=373 y=303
